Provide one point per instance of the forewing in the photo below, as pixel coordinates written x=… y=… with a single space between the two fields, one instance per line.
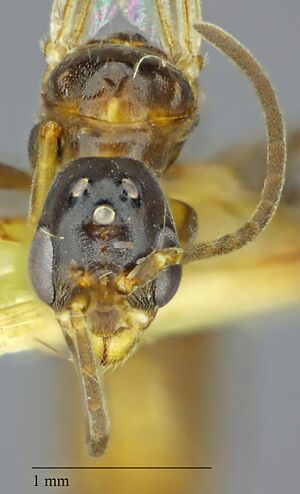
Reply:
x=73 y=22
x=171 y=22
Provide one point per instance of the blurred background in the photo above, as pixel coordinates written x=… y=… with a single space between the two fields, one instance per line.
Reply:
x=228 y=398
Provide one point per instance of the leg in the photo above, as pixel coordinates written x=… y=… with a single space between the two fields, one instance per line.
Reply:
x=14 y=191
x=45 y=168
x=12 y=178
x=148 y=269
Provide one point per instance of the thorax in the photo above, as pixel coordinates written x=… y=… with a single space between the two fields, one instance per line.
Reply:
x=120 y=97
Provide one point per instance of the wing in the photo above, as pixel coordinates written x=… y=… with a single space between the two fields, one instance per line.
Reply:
x=73 y=22
x=170 y=21
x=25 y=323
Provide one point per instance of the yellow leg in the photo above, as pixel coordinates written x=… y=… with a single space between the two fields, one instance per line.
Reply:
x=148 y=269
x=45 y=169
x=12 y=178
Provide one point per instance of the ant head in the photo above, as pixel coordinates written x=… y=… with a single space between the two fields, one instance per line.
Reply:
x=102 y=216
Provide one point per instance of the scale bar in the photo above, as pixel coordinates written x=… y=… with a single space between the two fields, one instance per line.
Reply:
x=123 y=467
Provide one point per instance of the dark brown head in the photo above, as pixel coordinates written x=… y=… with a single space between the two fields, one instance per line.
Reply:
x=100 y=218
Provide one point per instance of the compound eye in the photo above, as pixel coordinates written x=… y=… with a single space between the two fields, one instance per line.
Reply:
x=166 y=285
x=41 y=266
x=104 y=215
x=168 y=281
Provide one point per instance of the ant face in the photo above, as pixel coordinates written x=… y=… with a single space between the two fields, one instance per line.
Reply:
x=101 y=217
